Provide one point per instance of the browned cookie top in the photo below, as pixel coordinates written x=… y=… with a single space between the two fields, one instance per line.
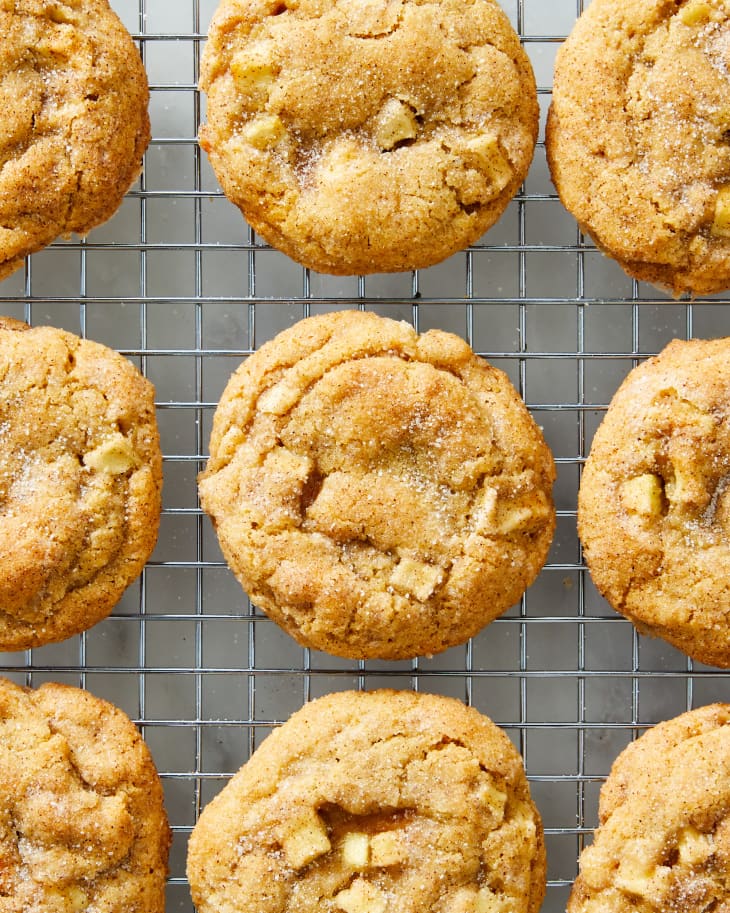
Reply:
x=378 y=802
x=74 y=97
x=80 y=482
x=377 y=492
x=664 y=839
x=639 y=137
x=654 y=502
x=362 y=137
x=82 y=824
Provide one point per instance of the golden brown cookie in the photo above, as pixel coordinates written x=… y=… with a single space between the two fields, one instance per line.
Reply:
x=654 y=501
x=638 y=137
x=664 y=837
x=80 y=482
x=368 y=137
x=74 y=98
x=380 y=802
x=378 y=493
x=82 y=823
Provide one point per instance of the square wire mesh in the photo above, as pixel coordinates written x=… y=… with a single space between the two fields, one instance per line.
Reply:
x=179 y=284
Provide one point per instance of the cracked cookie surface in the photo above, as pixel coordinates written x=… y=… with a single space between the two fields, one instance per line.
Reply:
x=638 y=137
x=377 y=493
x=379 y=802
x=82 y=823
x=664 y=838
x=74 y=97
x=654 y=500
x=80 y=482
x=363 y=137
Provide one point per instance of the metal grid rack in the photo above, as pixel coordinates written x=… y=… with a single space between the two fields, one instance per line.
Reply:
x=179 y=284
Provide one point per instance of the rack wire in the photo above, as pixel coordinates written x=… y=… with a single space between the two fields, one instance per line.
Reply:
x=179 y=284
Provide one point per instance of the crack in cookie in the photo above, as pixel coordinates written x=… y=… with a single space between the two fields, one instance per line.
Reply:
x=376 y=492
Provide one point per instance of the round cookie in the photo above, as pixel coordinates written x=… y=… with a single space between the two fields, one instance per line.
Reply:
x=368 y=137
x=377 y=493
x=74 y=97
x=638 y=137
x=80 y=482
x=82 y=822
x=654 y=500
x=664 y=836
x=381 y=802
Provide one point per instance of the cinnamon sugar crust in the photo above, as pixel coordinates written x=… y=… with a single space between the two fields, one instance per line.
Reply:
x=378 y=493
x=80 y=482
x=638 y=137
x=654 y=500
x=380 y=802
x=664 y=838
x=74 y=97
x=82 y=822
x=368 y=137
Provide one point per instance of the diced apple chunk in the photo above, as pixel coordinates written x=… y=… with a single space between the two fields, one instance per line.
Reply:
x=477 y=900
x=77 y=899
x=115 y=456
x=56 y=13
x=307 y=842
x=513 y=519
x=643 y=495
x=361 y=897
x=694 y=12
x=416 y=578
x=492 y=160
x=489 y=902
x=395 y=123
x=264 y=132
x=721 y=224
x=70 y=900
x=253 y=69
x=493 y=797
x=639 y=871
x=387 y=849
x=694 y=847
x=356 y=850
x=485 y=511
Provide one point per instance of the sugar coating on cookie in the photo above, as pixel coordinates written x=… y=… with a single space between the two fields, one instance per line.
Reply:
x=80 y=482
x=664 y=838
x=74 y=98
x=654 y=501
x=82 y=823
x=378 y=493
x=380 y=802
x=363 y=137
x=638 y=137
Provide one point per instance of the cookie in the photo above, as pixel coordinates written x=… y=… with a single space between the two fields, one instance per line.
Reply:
x=373 y=803
x=638 y=137
x=74 y=97
x=664 y=836
x=80 y=482
x=654 y=500
x=378 y=493
x=82 y=823
x=368 y=137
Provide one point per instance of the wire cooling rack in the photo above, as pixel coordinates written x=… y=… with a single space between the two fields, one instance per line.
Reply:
x=179 y=284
